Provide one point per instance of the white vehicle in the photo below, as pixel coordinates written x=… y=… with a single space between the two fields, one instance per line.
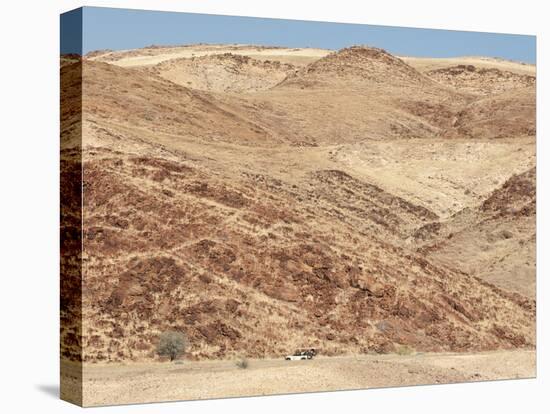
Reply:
x=296 y=357
x=302 y=354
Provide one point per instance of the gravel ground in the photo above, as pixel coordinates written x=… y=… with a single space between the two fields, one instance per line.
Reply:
x=149 y=382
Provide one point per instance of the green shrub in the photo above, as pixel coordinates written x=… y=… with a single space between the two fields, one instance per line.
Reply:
x=171 y=344
x=404 y=350
x=242 y=363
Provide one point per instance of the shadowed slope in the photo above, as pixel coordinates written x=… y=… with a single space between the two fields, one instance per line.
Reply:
x=128 y=96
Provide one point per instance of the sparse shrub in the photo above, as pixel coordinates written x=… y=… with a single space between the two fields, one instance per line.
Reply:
x=404 y=350
x=242 y=363
x=171 y=344
x=506 y=234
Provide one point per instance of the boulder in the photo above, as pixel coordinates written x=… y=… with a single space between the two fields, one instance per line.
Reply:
x=369 y=284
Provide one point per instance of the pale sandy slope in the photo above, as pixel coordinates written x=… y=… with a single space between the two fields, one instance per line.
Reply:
x=427 y=64
x=120 y=384
x=296 y=56
x=153 y=56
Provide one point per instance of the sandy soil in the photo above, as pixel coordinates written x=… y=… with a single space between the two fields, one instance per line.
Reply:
x=149 y=382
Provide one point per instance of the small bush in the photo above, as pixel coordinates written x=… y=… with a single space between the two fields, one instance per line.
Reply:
x=242 y=363
x=404 y=350
x=171 y=344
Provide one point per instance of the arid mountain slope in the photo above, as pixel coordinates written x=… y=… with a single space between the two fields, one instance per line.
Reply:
x=126 y=97
x=358 y=94
x=223 y=73
x=385 y=97
x=255 y=267
x=495 y=241
x=427 y=64
x=443 y=175
x=510 y=113
x=359 y=64
x=153 y=55
x=259 y=216
x=481 y=80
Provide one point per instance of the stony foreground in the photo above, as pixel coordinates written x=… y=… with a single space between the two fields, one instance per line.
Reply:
x=149 y=382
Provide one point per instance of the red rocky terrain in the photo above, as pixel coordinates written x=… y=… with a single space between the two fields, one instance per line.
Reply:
x=246 y=218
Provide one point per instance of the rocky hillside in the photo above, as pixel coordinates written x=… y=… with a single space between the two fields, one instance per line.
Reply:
x=223 y=73
x=481 y=81
x=359 y=63
x=261 y=206
x=496 y=240
x=510 y=113
x=258 y=267
x=124 y=96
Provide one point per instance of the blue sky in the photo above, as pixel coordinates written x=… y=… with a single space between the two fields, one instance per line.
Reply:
x=107 y=28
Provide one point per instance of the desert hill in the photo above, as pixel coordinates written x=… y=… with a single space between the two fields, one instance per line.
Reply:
x=505 y=114
x=301 y=197
x=153 y=55
x=496 y=240
x=242 y=269
x=392 y=97
x=481 y=80
x=379 y=97
x=123 y=96
x=361 y=64
x=426 y=64
x=223 y=73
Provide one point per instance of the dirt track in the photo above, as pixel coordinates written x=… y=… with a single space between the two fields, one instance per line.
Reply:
x=120 y=384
